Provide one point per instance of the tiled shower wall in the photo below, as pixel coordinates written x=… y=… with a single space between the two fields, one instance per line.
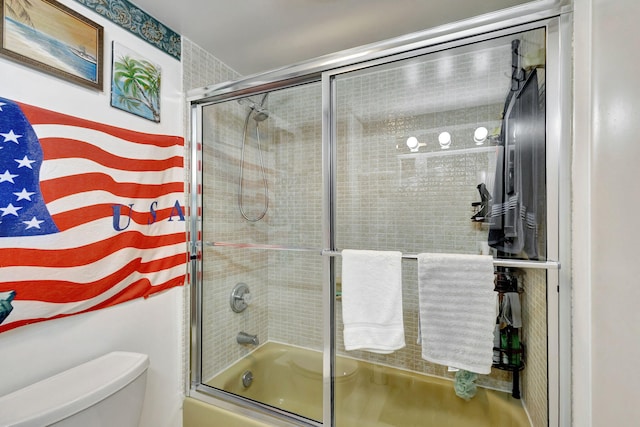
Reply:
x=387 y=199
x=534 y=320
x=224 y=268
x=295 y=278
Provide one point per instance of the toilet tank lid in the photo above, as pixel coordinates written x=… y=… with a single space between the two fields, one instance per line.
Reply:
x=71 y=391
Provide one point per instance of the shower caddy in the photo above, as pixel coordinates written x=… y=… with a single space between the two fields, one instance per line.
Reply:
x=509 y=354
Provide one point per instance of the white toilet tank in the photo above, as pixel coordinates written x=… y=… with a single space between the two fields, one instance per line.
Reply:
x=104 y=392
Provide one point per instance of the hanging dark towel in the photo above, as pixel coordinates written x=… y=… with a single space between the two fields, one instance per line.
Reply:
x=519 y=192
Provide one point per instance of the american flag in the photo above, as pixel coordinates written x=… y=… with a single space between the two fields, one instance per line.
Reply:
x=90 y=215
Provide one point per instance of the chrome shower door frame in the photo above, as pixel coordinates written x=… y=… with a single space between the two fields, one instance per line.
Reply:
x=557 y=23
x=558 y=133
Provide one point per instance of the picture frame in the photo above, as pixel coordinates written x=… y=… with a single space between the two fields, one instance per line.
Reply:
x=52 y=38
x=135 y=83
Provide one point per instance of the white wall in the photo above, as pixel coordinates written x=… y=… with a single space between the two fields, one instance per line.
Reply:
x=152 y=326
x=606 y=208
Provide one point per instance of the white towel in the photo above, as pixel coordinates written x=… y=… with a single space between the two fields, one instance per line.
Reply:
x=372 y=300
x=457 y=310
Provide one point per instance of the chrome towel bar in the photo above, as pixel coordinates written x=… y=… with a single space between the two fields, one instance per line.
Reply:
x=498 y=262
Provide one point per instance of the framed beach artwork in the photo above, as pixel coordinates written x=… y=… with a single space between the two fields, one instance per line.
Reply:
x=50 y=37
x=135 y=84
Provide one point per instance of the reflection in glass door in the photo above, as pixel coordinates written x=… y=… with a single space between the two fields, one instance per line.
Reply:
x=261 y=266
x=444 y=153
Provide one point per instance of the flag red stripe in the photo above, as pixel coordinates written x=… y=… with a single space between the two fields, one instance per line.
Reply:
x=73 y=218
x=83 y=255
x=39 y=116
x=54 y=189
x=142 y=288
x=64 y=148
x=59 y=291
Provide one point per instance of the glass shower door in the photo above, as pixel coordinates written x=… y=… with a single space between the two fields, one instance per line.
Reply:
x=261 y=227
x=425 y=163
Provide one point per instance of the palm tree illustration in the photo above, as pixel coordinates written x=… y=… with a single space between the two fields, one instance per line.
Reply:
x=18 y=9
x=138 y=82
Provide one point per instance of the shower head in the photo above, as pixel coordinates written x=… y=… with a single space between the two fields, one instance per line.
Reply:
x=260 y=114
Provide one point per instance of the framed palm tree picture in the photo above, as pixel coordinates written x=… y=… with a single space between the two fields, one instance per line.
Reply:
x=135 y=84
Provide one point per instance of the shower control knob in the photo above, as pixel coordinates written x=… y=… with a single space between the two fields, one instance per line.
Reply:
x=247 y=298
x=240 y=297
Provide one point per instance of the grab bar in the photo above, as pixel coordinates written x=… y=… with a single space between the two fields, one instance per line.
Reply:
x=498 y=262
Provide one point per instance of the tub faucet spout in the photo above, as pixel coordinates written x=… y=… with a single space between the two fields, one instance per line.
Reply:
x=245 y=338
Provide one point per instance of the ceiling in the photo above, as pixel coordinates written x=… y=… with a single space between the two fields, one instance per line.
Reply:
x=253 y=36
